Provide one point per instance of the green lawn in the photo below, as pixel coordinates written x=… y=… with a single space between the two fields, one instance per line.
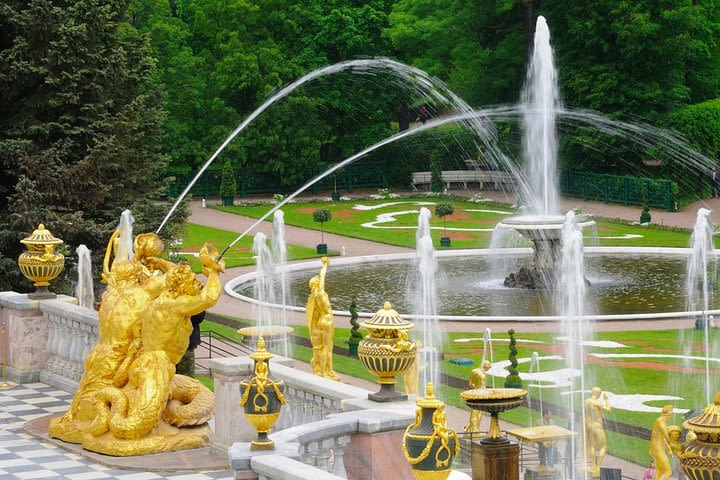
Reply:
x=623 y=379
x=349 y=222
x=239 y=255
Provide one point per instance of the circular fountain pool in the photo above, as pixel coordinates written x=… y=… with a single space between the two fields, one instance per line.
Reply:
x=623 y=282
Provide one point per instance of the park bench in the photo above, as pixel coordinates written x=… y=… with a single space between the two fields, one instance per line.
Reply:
x=484 y=178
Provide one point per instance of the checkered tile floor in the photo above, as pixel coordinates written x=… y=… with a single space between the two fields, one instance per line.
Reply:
x=22 y=456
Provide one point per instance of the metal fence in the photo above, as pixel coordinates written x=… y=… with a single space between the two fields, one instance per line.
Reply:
x=656 y=193
x=364 y=175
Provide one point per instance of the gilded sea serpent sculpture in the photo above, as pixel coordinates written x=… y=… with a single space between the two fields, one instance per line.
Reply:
x=386 y=352
x=129 y=400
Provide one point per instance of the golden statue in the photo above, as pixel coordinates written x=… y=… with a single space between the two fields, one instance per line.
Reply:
x=129 y=401
x=412 y=374
x=478 y=379
x=596 y=446
x=660 y=443
x=318 y=313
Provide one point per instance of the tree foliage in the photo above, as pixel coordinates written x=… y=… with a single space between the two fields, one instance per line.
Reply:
x=79 y=136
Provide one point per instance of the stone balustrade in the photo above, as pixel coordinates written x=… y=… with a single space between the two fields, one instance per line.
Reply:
x=72 y=333
x=27 y=329
x=325 y=448
x=309 y=397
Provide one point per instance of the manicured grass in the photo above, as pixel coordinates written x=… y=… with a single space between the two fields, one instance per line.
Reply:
x=349 y=222
x=610 y=374
x=239 y=255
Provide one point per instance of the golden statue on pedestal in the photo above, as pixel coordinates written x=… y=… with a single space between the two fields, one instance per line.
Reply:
x=596 y=442
x=129 y=400
x=478 y=379
x=318 y=313
x=660 y=444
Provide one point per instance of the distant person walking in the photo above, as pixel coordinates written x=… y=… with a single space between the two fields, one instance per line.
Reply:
x=715 y=181
x=186 y=365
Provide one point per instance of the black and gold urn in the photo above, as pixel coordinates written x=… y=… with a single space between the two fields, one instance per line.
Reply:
x=40 y=263
x=262 y=398
x=428 y=445
x=387 y=352
x=700 y=456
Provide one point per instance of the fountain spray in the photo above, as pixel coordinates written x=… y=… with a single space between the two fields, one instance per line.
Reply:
x=696 y=281
x=571 y=299
x=426 y=301
x=278 y=248
x=488 y=349
x=84 y=290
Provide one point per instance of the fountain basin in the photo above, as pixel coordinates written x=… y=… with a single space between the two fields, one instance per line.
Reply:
x=628 y=283
x=494 y=401
x=541 y=227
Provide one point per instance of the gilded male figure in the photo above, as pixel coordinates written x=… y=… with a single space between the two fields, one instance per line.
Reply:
x=318 y=313
x=596 y=447
x=478 y=379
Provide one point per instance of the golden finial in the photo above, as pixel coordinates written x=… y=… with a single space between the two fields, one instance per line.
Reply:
x=430 y=390
x=387 y=306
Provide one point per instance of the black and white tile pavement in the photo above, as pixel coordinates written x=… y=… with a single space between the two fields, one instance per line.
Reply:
x=23 y=456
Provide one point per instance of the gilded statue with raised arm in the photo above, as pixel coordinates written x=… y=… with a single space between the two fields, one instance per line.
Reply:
x=129 y=400
x=318 y=313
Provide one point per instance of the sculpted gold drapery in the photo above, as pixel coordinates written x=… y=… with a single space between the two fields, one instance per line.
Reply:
x=129 y=400
x=318 y=313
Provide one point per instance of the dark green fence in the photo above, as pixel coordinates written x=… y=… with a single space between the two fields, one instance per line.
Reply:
x=627 y=190
x=365 y=175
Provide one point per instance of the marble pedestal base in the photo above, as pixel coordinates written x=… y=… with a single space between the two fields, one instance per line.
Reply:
x=495 y=462
x=376 y=457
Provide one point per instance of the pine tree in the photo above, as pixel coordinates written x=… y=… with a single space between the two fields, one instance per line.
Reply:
x=79 y=130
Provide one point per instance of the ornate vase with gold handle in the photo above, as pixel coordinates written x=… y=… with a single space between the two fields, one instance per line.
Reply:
x=428 y=445
x=700 y=456
x=41 y=263
x=386 y=352
x=262 y=398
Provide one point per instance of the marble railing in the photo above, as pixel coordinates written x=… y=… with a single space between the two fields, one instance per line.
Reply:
x=72 y=333
x=318 y=449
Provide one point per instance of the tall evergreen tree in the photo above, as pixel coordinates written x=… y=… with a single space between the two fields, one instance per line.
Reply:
x=79 y=130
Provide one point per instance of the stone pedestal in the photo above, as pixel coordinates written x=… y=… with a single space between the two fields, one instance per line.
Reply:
x=375 y=456
x=26 y=336
x=495 y=462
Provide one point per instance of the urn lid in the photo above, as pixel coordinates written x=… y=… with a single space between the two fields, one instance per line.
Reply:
x=261 y=354
x=41 y=236
x=708 y=421
x=387 y=319
x=430 y=400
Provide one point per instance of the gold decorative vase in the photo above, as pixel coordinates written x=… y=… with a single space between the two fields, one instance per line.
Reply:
x=428 y=445
x=494 y=401
x=701 y=456
x=262 y=398
x=40 y=263
x=386 y=352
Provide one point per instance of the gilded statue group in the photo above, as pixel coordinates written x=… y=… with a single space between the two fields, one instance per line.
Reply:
x=129 y=400
x=664 y=441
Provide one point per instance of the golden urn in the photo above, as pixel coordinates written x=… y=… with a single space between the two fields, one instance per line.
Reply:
x=386 y=352
x=429 y=445
x=700 y=456
x=41 y=263
x=262 y=398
